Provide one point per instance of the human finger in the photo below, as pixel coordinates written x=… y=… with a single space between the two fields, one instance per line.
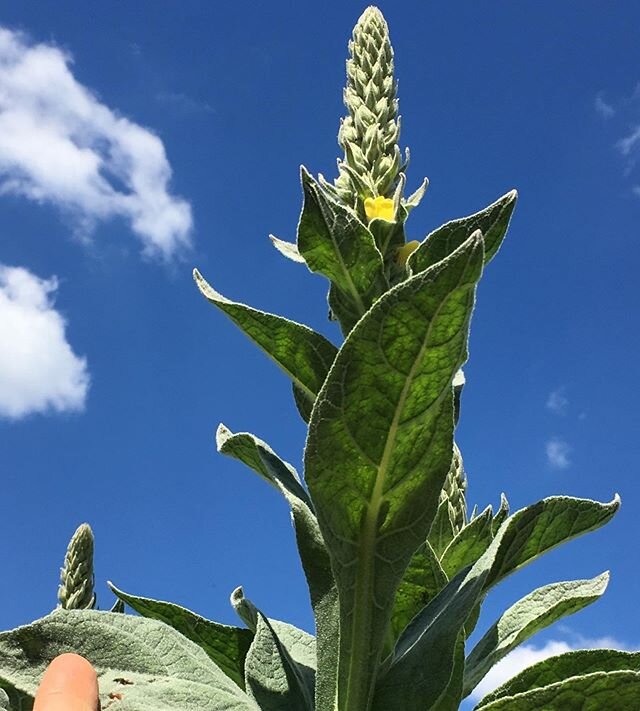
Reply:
x=69 y=684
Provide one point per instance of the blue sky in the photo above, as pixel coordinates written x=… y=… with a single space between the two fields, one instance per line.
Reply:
x=141 y=139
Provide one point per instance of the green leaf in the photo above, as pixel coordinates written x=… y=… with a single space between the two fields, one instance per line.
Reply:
x=303 y=402
x=379 y=448
x=452 y=695
x=271 y=676
x=13 y=700
x=472 y=541
x=425 y=655
x=493 y=222
x=313 y=553
x=541 y=527
x=442 y=529
x=227 y=646
x=564 y=666
x=501 y=514
x=276 y=680
x=389 y=236
x=335 y=243
x=118 y=606
x=589 y=692
x=414 y=199
x=152 y=666
x=257 y=455
x=422 y=581
x=287 y=249
x=528 y=616
x=304 y=355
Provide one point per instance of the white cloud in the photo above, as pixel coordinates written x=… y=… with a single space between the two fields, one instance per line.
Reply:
x=38 y=369
x=603 y=108
x=558 y=452
x=557 y=401
x=528 y=654
x=629 y=142
x=60 y=145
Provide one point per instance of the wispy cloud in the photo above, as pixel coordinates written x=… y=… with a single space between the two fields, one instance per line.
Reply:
x=628 y=144
x=558 y=452
x=38 y=369
x=557 y=402
x=60 y=145
x=626 y=111
x=529 y=654
x=183 y=102
x=605 y=109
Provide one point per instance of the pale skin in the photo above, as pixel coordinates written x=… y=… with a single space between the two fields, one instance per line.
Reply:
x=69 y=684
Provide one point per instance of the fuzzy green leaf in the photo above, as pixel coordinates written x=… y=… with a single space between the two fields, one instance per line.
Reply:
x=564 y=666
x=152 y=666
x=273 y=679
x=304 y=402
x=425 y=655
x=493 y=222
x=528 y=616
x=257 y=455
x=287 y=249
x=313 y=553
x=422 y=581
x=389 y=236
x=442 y=530
x=304 y=355
x=13 y=700
x=588 y=692
x=452 y=695
x=501 y=514
x=541 y=527
x=470 y=543
x=227 y=646
x=335 y=243
x=383 y=421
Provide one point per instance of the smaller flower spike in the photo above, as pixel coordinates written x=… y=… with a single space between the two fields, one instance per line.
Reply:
x=369 y=134
x=76 y=591
x=455 y=490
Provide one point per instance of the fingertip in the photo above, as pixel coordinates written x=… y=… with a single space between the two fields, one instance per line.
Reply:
x=70 y=683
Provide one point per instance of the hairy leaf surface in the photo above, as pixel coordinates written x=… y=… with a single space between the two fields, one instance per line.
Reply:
x=304 y=355
x=468 y=545
x=493 y=222
x=425 y=656
x=227 y=646
x=313 y=553
x=379 y=448
x=564 y=666
x=528 y=616
x=273 y=678
x=147 y=664
x=257 y=455
x=541 y=527
x=422 y=581
x=442 y=529
x=335 y=243
x=589 y=692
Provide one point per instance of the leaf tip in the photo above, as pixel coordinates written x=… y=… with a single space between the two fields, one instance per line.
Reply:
x=223 y=433
x=236 y=597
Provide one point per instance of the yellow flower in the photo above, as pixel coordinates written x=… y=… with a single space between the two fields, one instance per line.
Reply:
x=381 y=207
x=405 y=251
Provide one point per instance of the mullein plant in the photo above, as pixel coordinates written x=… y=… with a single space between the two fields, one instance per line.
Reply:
x=397 y=567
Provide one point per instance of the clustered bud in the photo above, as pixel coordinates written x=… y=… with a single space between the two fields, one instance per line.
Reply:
x=369 y=134
x=454 y=491
x=76 y=591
